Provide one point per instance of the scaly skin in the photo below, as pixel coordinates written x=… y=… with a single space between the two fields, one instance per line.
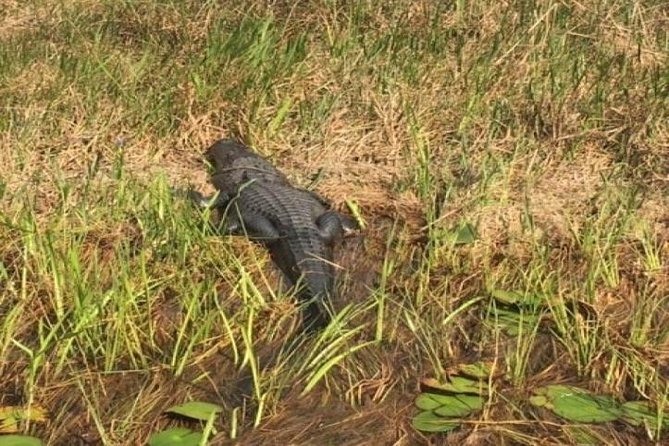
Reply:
x=295 y=225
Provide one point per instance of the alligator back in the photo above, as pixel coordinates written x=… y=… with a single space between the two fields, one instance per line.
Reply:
x=281 y=217
x=297 y=248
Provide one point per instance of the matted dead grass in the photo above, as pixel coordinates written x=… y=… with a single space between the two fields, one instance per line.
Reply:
x=530 y=169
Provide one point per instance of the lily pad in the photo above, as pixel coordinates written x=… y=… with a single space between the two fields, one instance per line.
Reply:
x=430 y=401
x=460 y=406
x=586 y=408
x=457 y=385
x=428 y=421
x=539 y=401
x=177 y=436
x=578 y=405
x=197 y=410
x=641 y=413
x=478 y=370
x=466 y=385
x=449 y=405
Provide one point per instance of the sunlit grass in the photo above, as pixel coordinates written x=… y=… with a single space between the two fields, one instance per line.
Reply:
x=539 y=127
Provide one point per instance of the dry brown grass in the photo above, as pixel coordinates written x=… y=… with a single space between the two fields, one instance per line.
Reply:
x=546 y=126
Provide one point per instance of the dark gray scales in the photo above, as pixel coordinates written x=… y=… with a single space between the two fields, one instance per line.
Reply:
x=297 y=226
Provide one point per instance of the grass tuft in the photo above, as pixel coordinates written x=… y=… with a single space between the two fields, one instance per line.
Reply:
x=510 y=163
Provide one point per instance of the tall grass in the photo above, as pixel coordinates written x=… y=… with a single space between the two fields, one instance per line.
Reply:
x=538 y=128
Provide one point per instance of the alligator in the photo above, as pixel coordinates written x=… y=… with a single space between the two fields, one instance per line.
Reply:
x=297 y=226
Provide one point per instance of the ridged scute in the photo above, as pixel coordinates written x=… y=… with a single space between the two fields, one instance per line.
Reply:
x=258 y=192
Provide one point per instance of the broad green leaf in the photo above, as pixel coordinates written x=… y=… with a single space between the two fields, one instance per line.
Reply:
x=556 y=390
x=539 y=401
x=19 y=440
x=449 y=405
x=430 y=401
x=456 y=384
x=585 y=409
x=638 y=413
x=479 y=370
x=507 y=297
x=466 y=385
x=430 y=422
x=459 y=406
x=197 y=410
x=466 y=234
x=177 y=436
x=579 y=405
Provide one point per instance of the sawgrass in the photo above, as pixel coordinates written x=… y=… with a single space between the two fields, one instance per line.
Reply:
x=541 y=124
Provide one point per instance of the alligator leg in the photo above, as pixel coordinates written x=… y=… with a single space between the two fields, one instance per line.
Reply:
x=334 y=225
x=213 y=201
x=330 y=227
x=348 y=224
x=255 y=226
x=316 y=315
x=229 y=222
